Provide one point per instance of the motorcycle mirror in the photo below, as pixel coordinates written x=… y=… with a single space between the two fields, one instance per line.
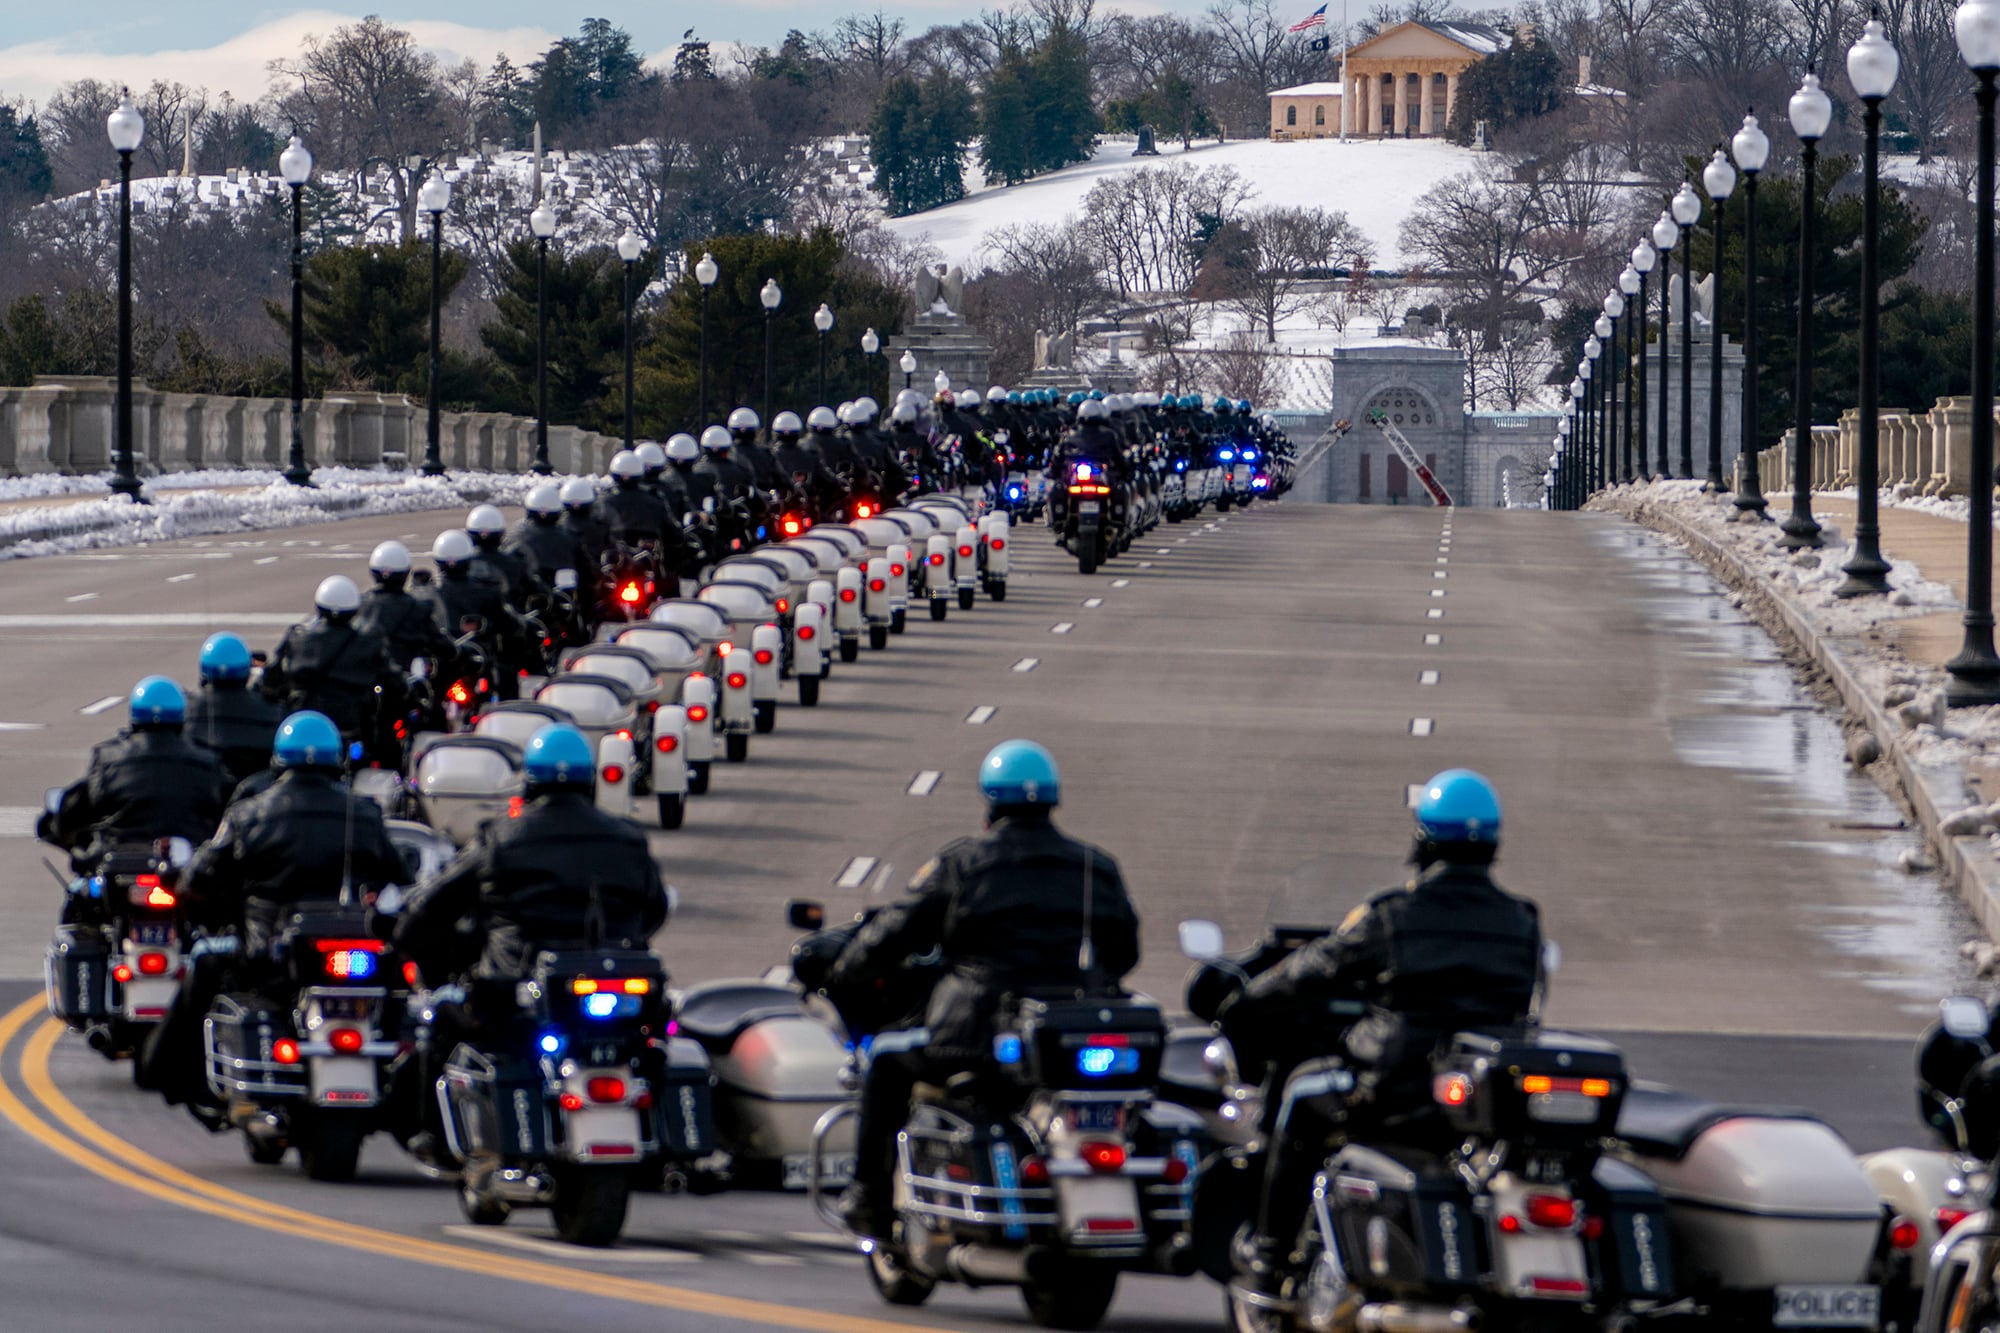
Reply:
x=566 y=580
x=472 y=624
x=420 y=668
x=708 y=504
x=179 y=852
x=1218 y=1058
x=389 y=901
x=52 y=799
x=805 y=914
x=1963 y=1016
x=1552 y=958
x=1201 y=940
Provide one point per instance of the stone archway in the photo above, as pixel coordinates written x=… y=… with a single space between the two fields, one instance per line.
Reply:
x=1382 y=477
x=1516 y=485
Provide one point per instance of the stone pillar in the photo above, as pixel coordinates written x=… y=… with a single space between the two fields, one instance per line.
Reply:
x=1402 y=103
x=1368 y=112
x=1923 y=451
x=1951 y=433
x=1426 y=112
x=1889 y=448
x=1850 y=447
x=1450 y=96
x=1827 y=443
x=27 y=440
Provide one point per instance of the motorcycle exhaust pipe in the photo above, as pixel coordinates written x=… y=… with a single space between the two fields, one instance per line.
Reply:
x=1397 y=1317
x=518 y=1186
x=99 y=1039
x=992 y=1266
x=674 y=1182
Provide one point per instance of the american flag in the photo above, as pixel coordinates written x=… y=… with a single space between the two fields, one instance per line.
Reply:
x=1316 y=19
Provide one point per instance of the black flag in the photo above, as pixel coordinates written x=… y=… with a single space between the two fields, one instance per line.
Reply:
x=1320 y=44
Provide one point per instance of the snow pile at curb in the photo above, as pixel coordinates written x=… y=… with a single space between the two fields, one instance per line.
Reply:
x=185 y=508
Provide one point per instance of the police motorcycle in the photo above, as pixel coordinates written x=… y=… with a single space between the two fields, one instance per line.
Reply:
x=750 y=665
x=1054 y=1170
x=117 y=958
x=1093 y=516
x=628 y=587
x=458 y=783
x=995 y=532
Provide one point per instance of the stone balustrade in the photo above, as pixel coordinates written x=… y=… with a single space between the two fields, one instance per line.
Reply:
x=64 y=424
x=1928 y=451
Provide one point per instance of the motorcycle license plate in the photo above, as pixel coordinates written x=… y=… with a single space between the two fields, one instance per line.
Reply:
x=153 y=932
x=1090 y=507
x=836 y=1170
x=1823 y=1306
x=1097 y=1116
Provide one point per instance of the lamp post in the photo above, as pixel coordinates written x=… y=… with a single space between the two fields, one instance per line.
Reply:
x=908 y=365
x=1686 y=208
x=705 y=273
x=1665 y=235
x=1635 y=382
x=870 y=345
x=295 y=164
x=630 y=246
x=1752 y=148
x=126 y=128
x=543 y=223
x=1872 y=67
x=434 y=198
x=1561 y=491
x=768 y=296
x=1975 y=672
x=941 y=384
x=822 y=321
x=1593 y=347
x=1719 y=179
x=1811 y=112
x=1579 y=450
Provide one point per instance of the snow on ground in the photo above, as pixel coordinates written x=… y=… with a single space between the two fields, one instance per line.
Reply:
x=1373 y=181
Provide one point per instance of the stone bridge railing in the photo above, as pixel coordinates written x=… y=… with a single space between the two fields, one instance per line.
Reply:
x=64 y=424
x=1931 y=452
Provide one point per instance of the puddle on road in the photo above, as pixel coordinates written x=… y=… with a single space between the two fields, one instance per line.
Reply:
x=1747 y=712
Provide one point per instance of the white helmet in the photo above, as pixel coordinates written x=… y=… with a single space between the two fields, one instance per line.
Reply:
x=908 y=396
x=822 y=418
x=682 y=448
x=1091 y=409
x=545 y=499
x=485 y=521
x=968 y=400
x=389 y=558
x=625 y=463
x=716 y=438
x=337 y=595
x=905 y=414
x=996 y=394
x=743 y=419
x=867 y=408
x=452 y=547
x=579 y=493
x=787 y=423
x=651 y=456
x=1146 y=399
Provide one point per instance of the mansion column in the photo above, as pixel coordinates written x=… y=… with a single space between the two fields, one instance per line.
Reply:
x=1402 y=102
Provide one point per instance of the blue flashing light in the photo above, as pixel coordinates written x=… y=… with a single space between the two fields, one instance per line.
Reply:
x=1083 y=470
x=351 y=964
x=1106 y=1061
x=1227 y=455
x=1180 y=465
x=354 y=752
x=601 y=1005
x=552 y=1043
x=1007 y=1049
x=762 y=533
x=1013 y=492
x=1249 y=455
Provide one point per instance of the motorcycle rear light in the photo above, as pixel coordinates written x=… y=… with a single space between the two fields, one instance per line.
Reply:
x=1104 y=1225
x=878 y=585
x=152 y=964
x=697 y=713
x=847 y=594
x=605 y=1089
x=1176 y=1171
x=806 y=633
x=411 y=976
x=285 y=1051
x=121 y=974
x=1103 y=1157
x=1904 y=1235
x=515 y=804
x=569 y=1101
x=1949 y=1217
x=1034 y=1171
x=612 y=773
x=1558 y=1286
x=964 y=552
x=784 y=605
x=147 y=881
x=998 y=543
x=347 y=1041
x=666 y=745
x=1593 y=1228
x=1552 y=1212
x=863 y=510
x=762 y=656
x=153 y=895
x=351 y=964
x=459 y=694
x=791 y=527
x=629 y=593
x=1451 y=1089
x=937 y=559
x=737 y=680
x=725 y=648
x=895 y=571
x=1535 y=1084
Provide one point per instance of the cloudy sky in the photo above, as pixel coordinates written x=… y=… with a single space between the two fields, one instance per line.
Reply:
x=226 y=46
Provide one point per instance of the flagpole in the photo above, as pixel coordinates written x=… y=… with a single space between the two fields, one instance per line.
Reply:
x=1344 y=99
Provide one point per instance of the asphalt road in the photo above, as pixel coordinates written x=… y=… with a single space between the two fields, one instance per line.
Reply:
x=1240 y=708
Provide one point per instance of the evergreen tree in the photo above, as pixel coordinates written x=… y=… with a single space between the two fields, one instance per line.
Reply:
x=1007 y=147
x=1517 y=83
x=368 y=306
x=892 y=148
x=1063 y=120
x=585 y=298
x=692 y=60
x=25 y=175
x=949 y=122
x=917 y=141
x=507 y=103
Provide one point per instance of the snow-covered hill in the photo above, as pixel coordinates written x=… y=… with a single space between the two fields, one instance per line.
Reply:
x=1373 y=181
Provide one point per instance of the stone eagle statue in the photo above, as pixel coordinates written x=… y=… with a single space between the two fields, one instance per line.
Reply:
x=942 y=292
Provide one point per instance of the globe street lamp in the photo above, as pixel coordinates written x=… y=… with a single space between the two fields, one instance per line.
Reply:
x=909 y=366
x=295 y=164
x=1752 y=148
x=768 y=296
x=1975 y=672
x=822 y=321
x=1719 y=179
x=630 y=246
x=705 y=273
x=870 y=345
x=127 y=128
x=543 y=223
x=1563 y=428
x=1628 y=283
x=1811 y=111
x=434 y=198
x=942 y=384
x=1665 y=234
x=1872 y=67
x=1579 y=454
x=1644 y=260
x=1686 y=208
x=1593 y=348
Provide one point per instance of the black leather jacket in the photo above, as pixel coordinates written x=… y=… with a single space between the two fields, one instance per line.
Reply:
x=527 y=882
x=236 y=725
x=1451 y=951
x=457 y=596
x=507 y=568
x=141 y=785
x=334 y=664
x=1007 y=912
x=633 y=513
x=408 y=624
x=591 y=537
x=294 y=842
x=545 y=546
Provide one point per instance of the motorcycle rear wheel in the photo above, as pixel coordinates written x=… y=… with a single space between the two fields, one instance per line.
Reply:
x=894 y=1283
x=766 y=714
x=965 y=596
x=590 y=1204
x=997 y=590
x=939 y=608
x=332 y=1150
x=1078 y=1300
x=899 y=620
x=697 y=776
x=738 y=746
x=808 y=691
x=878 y=636
x=1086 y=562
x=850 y=650
x=673 y=809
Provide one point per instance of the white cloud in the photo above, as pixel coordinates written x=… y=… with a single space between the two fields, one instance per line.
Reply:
x=239 y=65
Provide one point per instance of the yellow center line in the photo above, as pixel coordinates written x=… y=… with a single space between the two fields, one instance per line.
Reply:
x=161 y=1180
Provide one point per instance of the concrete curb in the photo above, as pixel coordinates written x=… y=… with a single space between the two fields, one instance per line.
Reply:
x=1931 y=793
x=56 y=526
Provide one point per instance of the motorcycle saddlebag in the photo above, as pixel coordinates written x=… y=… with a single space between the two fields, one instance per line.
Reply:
x=1112 y=1044
x=240 y=1039
x=1634 y=1252
x=684 y=1101
x=497 y=1105
x=1412 y=1213
x=76 y=974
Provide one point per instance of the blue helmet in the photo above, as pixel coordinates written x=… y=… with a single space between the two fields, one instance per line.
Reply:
x=1076 y=396
x=1013 y=398
x=1096 y=395
x=225 y=657
x=1019 y=773
x=1459 y=806
x=559 y=756
x=307 y=740
x=158 y=702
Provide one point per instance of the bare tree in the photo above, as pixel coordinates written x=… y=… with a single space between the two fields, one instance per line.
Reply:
x=1257 y=54
x=1062 y=283
x=1932 y=89
x=1144 y=224
x=1285 y=260
x=173 y=113
x=72 y=125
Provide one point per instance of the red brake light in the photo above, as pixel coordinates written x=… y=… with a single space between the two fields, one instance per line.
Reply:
x=159 y=897
x=763 y=656
x=1103 y=1157
x=895 y=571
x=1948 y=1217
x=152 y=964
x=603 y=1089
x=345 y=1040
x=737 y=680
x=624 y=733
x=964 y=551
x=121 y=974
x=1176 y=1171
x=410 y=974
x=938 y=559
x=459 y=694
x=613 y=774
x=1904 y=1234
x=697 y=713
x=571 y=1102
x=805 y=632
x=285 y=1051
x=1451 y=1089
x=784 y=605
x=147 y=881
x=791 y=527
x=877 y=585
x=515 y=804
x=1034 y=1171
x=862 y=510
x=998 y=543
x=847 y=594
x=629 y=593
x=1552 y=1212
x=666 y=745
x=1559 y=1286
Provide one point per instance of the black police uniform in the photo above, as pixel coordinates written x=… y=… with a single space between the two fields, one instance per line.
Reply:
x=334 y=664
x=544 y=545
x=236 y=724
x=142 y=784
x=458 y=597
x=407 y=624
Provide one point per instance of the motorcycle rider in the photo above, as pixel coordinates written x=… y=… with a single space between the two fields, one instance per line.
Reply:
x=1007 y=911
x=301 y=839
x=869 y=446
x=541 y=542
x=531 y=882
x=228 y=718
x=487 y=527
x=148 y=782
x=1447 y=952
x=743 y=428
x=459 y=597
x=338 y=666
x=405 y=622
x=637 y=517
x=734 y=488
x=802 y=466
x=834 y=452
x=579 y=501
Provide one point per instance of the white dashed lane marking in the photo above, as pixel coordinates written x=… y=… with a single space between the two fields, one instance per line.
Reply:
x=82 y=597
x=923 y=783
x=1093 y=602
x=1433 y=640
x=1420 y=726
x=265 y=560
x=1412 y=794
x=856 y=873
x=108 y=702
x=1062 y=627
x=1435 y=613
x=179 y=578
x=980 y=716
x=1027 y=664
x=1427 y=678
x=1121 y=583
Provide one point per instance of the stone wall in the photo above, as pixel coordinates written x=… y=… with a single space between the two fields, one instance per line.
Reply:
x=64 y=424
x=1928 y=451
